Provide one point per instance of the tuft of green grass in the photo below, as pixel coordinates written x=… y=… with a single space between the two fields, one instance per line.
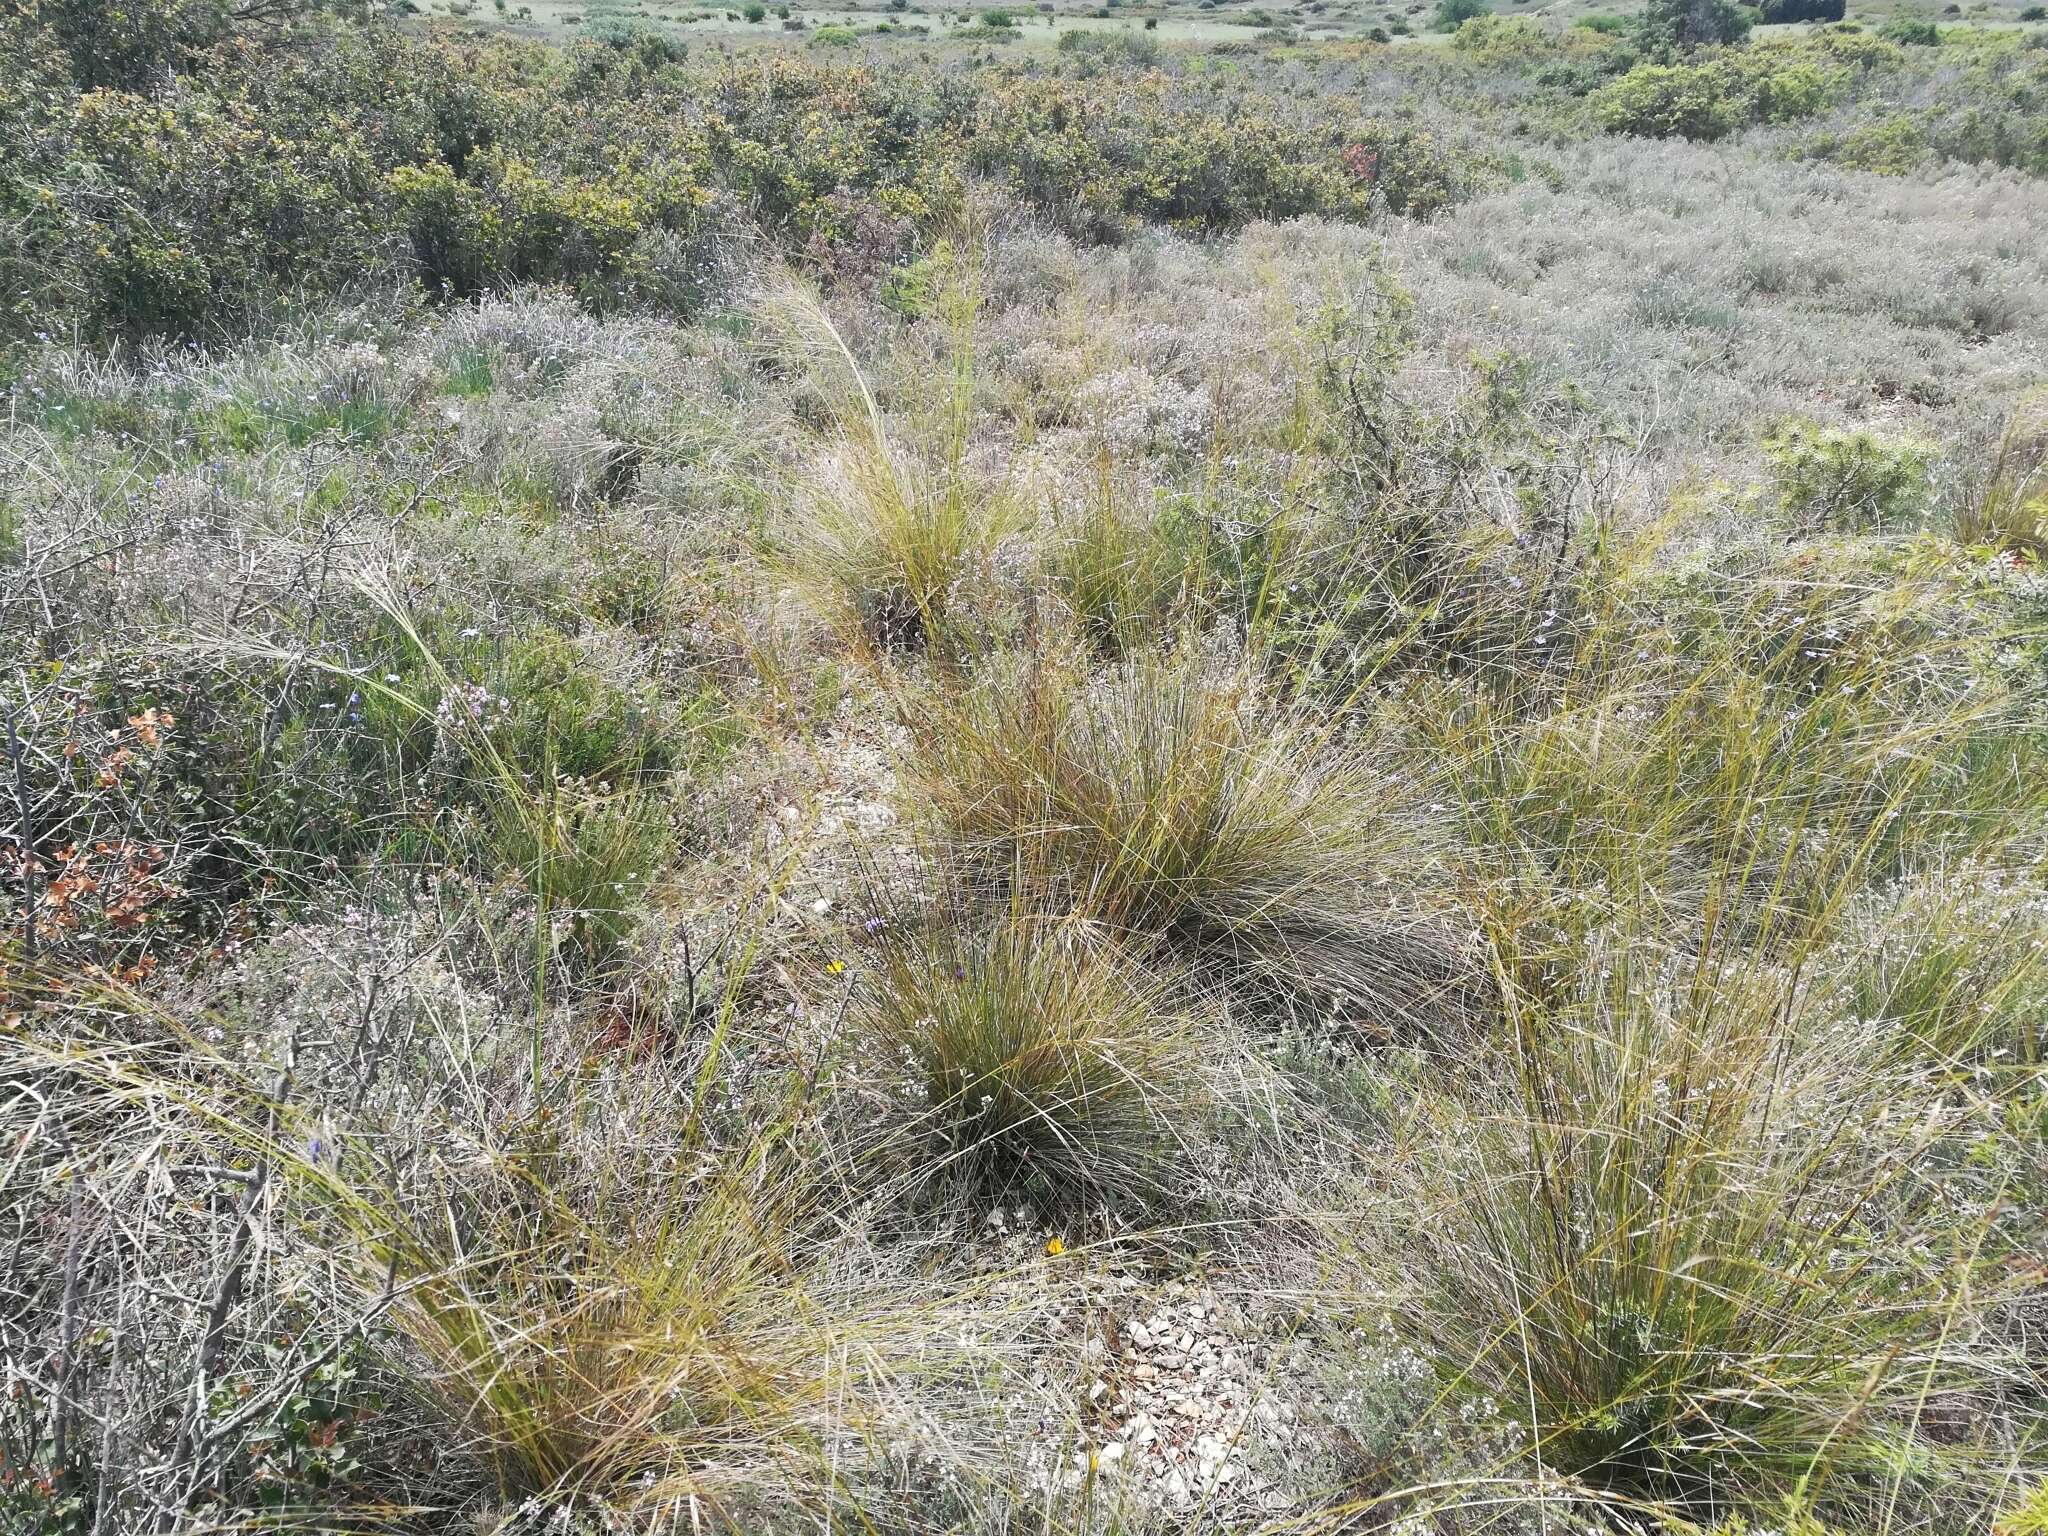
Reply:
x=586 y=854
x=2004 y=507
x=1045 y=1064
x=1178 y=801
x=889 y=545
x=1703 y=1268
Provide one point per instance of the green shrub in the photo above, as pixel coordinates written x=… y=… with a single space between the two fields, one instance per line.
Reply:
x=1828 y=478
x=1604 y=22
x=1683 y=24
x=834 y=37
x=1911 y=31
x=593 y=166
x=1711 y=98
x=1453 y=14
x=128 y=46
x=1664 y=101
x=1780 y=12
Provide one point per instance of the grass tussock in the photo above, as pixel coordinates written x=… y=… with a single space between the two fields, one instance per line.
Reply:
x=1693 y=1268
x=1179 y=801
x=1044 y=1065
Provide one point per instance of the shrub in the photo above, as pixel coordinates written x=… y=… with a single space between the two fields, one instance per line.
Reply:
x=1780 y=12
x=1453 y=14
x=1711 y=98
x=1667 y=101
x=1684 y=24
x=1604 y=22
x=2034 y=13
x=1911 y=31
x=831 y=36
x=1829 y=478
x=1048 y=1068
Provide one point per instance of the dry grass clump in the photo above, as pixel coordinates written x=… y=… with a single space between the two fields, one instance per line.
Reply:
x=889 y=542
x=1704 y=1268
x=2003 y=501
x=677 y=1350
x=1048 y=1066
x=591 y=1310
x=1179 y=801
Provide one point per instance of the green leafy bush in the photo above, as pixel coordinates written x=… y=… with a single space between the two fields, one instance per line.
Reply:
x=1911 y=31
x=1780 y=12
x=1713 y=97
x=1665 y=101
x=1828 y=478
x=1685 y=24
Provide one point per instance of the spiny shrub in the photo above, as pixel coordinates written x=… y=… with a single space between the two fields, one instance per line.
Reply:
x=1046 y=1065
x=1829 y=478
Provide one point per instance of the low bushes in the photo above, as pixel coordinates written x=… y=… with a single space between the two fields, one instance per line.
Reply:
x=1827 y=478
x=257 y=169
x=1711 y=98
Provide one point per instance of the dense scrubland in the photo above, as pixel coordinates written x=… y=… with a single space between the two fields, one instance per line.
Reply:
x=875 y=787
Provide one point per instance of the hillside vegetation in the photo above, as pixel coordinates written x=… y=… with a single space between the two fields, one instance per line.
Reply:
x=959 y=775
